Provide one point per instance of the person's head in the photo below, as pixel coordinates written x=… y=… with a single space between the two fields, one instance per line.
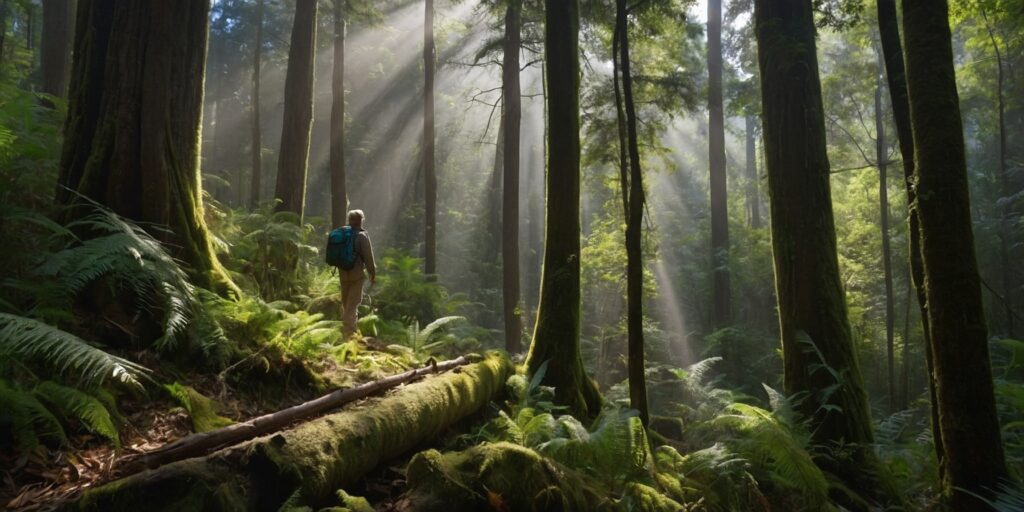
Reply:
x=355 y=218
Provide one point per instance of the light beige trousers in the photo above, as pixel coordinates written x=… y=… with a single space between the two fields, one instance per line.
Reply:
x=351 y=296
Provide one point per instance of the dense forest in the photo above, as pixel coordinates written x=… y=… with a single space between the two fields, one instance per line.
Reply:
x=655 y=255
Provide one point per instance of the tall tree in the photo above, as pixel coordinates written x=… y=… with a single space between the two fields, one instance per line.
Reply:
x=721 y=301
x=429 y=172
x=881 y=157
x=257 y=133
x=819 y=361
x=135 y=106
x=634 y=227
x=511 y=120
x=339 y=192
x=556 y=337
x=892 y=52
x=752 y=193
x=970 y=434
x=56 y=46
x=298 y=111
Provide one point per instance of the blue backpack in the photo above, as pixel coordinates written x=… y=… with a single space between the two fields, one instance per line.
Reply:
x=341 y=248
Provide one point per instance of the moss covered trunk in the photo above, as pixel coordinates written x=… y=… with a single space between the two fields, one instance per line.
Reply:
x=511 y=123
x=970 y=434
x=556 y=337
x=339 y=192
x=819 y=361
x=134 y=114
x=298 y=111
x=895 y=72
x=308 y=463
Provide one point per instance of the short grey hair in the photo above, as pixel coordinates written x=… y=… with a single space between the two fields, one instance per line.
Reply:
x=356 y=215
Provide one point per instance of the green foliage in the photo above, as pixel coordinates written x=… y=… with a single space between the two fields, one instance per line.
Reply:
x=73 y=404
x=63 y=353
x=26 y=421
x=403 y=292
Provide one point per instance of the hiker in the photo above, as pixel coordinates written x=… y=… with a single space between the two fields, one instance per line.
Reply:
x=349 y=249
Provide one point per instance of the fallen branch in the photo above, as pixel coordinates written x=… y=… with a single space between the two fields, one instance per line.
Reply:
x=204 y=443
x=308 y=462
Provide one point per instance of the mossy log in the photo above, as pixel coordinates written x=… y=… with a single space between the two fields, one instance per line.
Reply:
x=307 y=464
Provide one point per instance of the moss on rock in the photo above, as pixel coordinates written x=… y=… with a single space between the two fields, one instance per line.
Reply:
x=201 y=410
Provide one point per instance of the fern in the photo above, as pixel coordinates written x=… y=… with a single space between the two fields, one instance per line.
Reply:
x=25 y=420
x=617 y=446
x=76 y=405
x=28 y=339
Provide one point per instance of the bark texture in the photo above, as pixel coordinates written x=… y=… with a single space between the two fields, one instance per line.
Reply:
x=58 y=24
x=721 y=300
x=971 y=443
x=511 y=121
x=298 y=111
x=339 y=191
x=819 y=361
x=556 y=337
x=134 y=112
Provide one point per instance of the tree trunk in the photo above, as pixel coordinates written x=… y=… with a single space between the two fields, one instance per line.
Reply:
x=972 y=446
x=721 y=300
x=556 y=337
x=883 y=206
x=56 y=47
x=892 y=51
x=134 y=111
x=339 y=190
x=818 y=353
x=494 y=221
x=3 y=30
x=753 y=195
x=298 y=111
x=512 y=114
x=257 y=134
x=1005 y=221
x=306 y=465
x=429 y=172
x=634 y=233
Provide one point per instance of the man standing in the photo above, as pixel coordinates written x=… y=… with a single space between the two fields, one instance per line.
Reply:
x=352 y=279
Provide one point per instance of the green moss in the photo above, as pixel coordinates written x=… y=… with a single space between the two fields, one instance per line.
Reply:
x=648 y=499
x=307 y=464
x=201 y=410
x=354 y=503
x=498 y=473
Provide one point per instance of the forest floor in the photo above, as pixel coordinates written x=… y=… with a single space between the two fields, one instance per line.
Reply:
x=47 y=478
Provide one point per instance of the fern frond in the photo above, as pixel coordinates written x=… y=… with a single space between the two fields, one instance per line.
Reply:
x=73 y=404
x=26 y=419
x=29 y=339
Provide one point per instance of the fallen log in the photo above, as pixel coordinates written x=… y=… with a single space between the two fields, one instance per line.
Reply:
x=203 y=443
x=306 y=464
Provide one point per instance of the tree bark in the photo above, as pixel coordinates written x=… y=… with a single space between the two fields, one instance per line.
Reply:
x=134 y=111
x=556 y=337
x=634 y=232
x=1005 y=221
x=257 y=133
x=339 y=190
x=429 y=172
x=883 y=206
x=971 y=443
x=307 y=464
x=753 y=195
x=511 y=121
x=298 y=111
x=819 y=359
x=56 y=47
x=892 y=51
x=721 y=300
